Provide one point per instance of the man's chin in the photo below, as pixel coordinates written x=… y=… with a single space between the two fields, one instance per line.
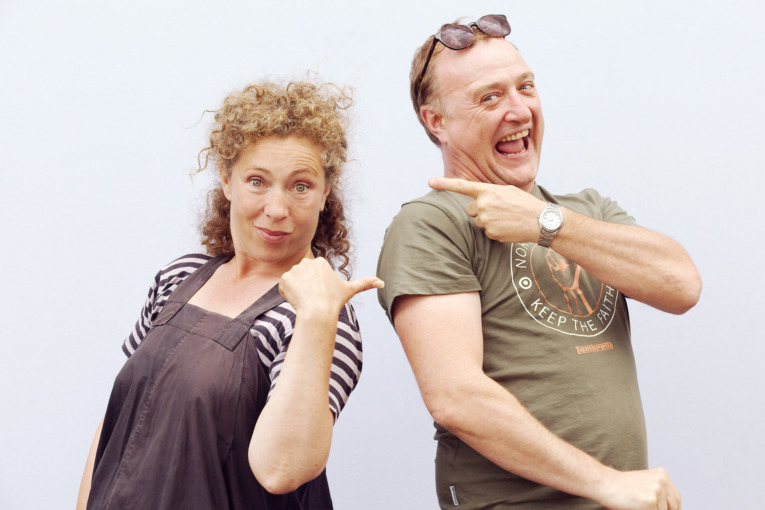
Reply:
x=521 y=177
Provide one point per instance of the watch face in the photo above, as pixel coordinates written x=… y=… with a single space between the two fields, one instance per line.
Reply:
x=551 y=220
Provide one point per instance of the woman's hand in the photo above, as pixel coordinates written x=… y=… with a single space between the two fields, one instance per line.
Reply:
x=313 y=286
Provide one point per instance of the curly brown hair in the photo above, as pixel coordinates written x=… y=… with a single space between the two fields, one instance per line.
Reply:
x=430 y=90
x=301 y=108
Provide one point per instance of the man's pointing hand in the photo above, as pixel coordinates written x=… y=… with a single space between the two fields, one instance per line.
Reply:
x=504 y=212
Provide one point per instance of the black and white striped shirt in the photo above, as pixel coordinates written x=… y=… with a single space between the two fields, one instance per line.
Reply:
x=272 y=332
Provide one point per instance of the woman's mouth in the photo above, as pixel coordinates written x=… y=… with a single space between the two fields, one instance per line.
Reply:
x=272 y=236
x=515 y=144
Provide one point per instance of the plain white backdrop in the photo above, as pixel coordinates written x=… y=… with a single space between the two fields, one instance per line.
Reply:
x=658 y=104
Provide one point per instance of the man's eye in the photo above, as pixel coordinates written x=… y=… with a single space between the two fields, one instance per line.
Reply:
x=490 y=98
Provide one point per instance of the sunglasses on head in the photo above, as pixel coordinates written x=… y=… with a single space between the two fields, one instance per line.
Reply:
x=459 y=37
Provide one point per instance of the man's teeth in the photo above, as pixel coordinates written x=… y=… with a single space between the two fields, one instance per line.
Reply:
x=516 y=136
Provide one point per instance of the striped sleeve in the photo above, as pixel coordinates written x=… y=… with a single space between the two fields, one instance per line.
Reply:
x=164 y=283
x=273 y=332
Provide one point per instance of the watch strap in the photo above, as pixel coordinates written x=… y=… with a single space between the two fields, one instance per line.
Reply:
x=546 y=236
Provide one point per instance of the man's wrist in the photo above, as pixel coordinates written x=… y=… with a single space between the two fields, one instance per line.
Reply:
x=550 y=223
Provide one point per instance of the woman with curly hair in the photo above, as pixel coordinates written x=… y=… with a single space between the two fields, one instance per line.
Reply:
x=243 y=357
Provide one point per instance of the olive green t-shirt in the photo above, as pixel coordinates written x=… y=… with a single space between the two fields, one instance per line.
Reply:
x=554 y=336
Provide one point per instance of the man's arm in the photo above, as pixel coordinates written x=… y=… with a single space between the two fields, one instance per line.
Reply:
x=642 y=264
x=443 y=340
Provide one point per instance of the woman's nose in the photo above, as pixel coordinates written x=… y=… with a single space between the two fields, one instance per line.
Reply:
x=276 y=204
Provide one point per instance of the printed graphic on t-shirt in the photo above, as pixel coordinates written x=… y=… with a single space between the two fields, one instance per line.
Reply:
x=560 y=294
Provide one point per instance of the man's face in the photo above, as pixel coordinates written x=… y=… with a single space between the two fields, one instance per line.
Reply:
x=492 y=131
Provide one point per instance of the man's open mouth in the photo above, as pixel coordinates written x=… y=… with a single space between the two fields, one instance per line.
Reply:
x=514 y=144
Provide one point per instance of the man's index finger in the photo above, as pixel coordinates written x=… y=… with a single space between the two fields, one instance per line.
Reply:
x=461 y=186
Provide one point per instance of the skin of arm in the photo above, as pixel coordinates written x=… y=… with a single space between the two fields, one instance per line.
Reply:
x=443 y=340
x=292 y=437
x=644 y=265
x=87 y=475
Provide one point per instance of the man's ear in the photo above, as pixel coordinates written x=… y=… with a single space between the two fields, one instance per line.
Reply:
x=433 y=120
x=225 y=181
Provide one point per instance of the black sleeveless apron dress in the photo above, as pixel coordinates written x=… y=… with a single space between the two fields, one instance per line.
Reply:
x=182 y=411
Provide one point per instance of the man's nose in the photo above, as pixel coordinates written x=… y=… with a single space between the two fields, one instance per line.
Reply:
x=276 y=204
x=517 y=110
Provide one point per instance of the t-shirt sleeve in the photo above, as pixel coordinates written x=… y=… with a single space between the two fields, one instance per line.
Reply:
x=428 y=250
x=163 y=284
x=143 y=324
x=347 y=360
x=609 y=210
x=273 y=333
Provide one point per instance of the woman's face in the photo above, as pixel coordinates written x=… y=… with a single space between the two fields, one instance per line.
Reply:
x=277 y=189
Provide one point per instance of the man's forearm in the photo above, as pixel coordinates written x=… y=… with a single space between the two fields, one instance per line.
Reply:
x=644 y=265
x=443 y=341
x=495 y=424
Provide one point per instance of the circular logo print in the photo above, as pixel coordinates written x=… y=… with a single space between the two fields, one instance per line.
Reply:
x=560 y=294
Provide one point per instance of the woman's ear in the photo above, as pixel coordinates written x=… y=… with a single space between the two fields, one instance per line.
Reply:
x=327 y=189
x=225 y=180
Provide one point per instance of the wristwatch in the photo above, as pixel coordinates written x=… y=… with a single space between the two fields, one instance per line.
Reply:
x=550 y=221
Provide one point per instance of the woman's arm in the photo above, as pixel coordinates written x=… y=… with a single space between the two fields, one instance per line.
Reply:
x=291 y=441
x=87 y=476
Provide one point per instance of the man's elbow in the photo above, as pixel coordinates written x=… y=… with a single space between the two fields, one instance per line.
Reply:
x=686 y=296
x=691 y=299
x=448 y=409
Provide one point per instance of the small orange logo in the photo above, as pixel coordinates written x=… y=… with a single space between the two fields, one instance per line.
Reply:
x=587 y=349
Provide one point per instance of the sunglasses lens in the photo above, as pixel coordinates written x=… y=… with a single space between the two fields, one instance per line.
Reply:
x=457 y=37
x=495 y=25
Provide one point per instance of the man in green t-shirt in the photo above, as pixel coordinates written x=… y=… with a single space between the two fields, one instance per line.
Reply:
x=510 y=300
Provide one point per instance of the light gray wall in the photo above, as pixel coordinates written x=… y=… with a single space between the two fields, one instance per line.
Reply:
x=658 y=104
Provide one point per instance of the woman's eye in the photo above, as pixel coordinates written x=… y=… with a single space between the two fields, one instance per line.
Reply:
x=301 y=188
x=256 y=183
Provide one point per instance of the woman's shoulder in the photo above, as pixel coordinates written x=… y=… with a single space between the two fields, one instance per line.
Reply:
x=173 y=273
x=181 y=267
x=191 y=260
